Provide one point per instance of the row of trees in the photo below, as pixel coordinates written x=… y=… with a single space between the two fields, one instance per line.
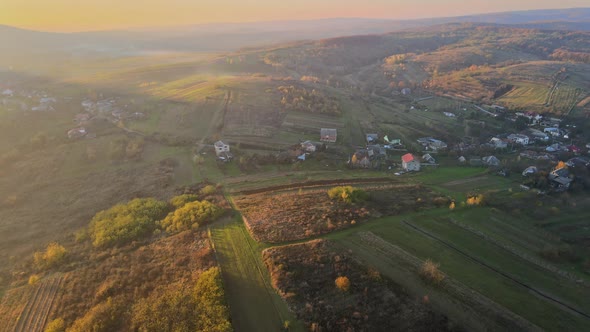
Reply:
x=142 y=216
x=304 y=100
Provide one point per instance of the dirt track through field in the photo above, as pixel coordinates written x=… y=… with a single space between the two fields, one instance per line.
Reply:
x=34 y=315
x=318 y=183
x=505 y=275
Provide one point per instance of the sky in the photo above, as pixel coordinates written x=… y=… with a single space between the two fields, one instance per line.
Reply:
x=88 y=15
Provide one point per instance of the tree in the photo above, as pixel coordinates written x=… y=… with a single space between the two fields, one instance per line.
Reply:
x=125 y=222
x=347 y=194
x=191 y=215
x=431 y=273
x=343 y=283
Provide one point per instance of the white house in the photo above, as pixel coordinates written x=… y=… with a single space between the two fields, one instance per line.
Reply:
x=519 y=139
x=221 y=148
x=498 y=143
x=552 y=130
x=410 y=163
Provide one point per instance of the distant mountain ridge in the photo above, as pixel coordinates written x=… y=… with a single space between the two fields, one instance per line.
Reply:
x=232 y=36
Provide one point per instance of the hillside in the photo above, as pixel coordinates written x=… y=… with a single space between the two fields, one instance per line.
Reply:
x=117 y=211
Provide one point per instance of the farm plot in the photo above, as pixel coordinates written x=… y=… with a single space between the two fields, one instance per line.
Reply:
x=329 y=290
x=254 y=305
x=464 y=307
x=293 y=216
x=481 y=265
x=34 y=315
x=565 y=97
x=526 y=94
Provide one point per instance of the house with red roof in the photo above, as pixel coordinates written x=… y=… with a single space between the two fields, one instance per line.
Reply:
x=410 y=163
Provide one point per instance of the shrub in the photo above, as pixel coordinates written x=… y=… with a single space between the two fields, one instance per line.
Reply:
x=208 y=190
x=181 y=308
x=431 y=273
x=343 y=283
x=52 y=256
x=347 y=194
x=125 y=222
x=475 y=200
x=56 y=325
x=105 y=316
x=180 y=201
x=34 y=279
x=191 y=215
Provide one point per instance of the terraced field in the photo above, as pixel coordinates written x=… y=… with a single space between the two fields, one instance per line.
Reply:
x=35 y=314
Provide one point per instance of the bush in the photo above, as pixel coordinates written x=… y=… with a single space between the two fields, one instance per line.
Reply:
x=56 y=325
x=180 y=308
x=53 y=255
x=180 y=201
x=208 y=190
x=105 y=316
x=343 y=283
x=431 y=273
x=125 y=222
x=34 y=279
x=347 y=194
x=191 y=215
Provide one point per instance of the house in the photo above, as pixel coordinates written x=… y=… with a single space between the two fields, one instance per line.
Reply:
x=574 y=149
x=433 y=144
x=578 y=162
x=410 y=163
x=519 y=139
x=529 y=171
x=77 y=133
x=361 y=159
x=490 y=161
x=498 y=143
x=328 y=135
x=372 y=138
x=560 y=179
x=539 y=135
x=8 y=93
x=308 y=146
x=81 y=118
x=377 y=150
x=552 y=131
x=406 y=91
x=529 y=154
x=221 y=149
x=428 y=159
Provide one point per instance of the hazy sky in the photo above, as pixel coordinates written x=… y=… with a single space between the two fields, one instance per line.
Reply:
x=79 y=15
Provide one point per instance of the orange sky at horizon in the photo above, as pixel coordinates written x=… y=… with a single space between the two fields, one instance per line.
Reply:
x=87 y=15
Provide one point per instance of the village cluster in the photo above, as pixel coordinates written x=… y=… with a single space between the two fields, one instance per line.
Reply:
x=543 y=139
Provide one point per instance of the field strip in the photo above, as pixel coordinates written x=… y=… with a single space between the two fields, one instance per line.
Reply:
x=34 y=315
x=453 y=291
x=318 y=183
x=505 y=275
x=254 y=305
x=518 y=253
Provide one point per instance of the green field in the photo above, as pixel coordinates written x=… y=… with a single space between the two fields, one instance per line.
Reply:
x=254 y=304
x=495 y=286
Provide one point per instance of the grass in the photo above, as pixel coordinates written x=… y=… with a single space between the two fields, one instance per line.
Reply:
x=501 y=290
x=254 y=304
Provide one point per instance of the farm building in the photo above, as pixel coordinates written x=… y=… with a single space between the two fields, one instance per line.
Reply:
x=221 y=148
x=328 y=135
x=410 y=163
